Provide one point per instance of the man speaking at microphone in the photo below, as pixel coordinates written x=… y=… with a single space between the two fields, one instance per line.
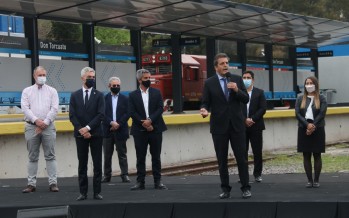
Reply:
x=223 y=93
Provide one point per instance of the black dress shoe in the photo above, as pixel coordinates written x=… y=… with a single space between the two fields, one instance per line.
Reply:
x=309 y=185
x=125 y=179
x=81 y=197
x=160 y=186
x=316 y=185
x=137 y=186
x=106 y=180
x=246 y=194
x=258 y=179
x=97 y=197
x=224 y=195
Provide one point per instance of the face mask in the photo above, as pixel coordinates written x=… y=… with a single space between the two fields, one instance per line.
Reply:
x=89 y=83
x=310 y=88
x=146 y=83
x=247 y=82
x=115 y=90
x=41 y=80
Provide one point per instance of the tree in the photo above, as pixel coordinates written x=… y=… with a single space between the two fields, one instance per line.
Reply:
x=67 y=32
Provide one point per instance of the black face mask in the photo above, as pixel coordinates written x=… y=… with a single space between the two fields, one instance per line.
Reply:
x=115 y=90
x=89 y=83
x=146 y=83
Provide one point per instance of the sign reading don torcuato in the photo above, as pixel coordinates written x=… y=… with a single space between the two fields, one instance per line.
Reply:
x=56 y=46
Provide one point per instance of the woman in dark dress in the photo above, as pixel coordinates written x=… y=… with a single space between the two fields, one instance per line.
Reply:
x=310 y=112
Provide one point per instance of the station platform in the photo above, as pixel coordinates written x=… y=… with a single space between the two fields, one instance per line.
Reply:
x=278 y=196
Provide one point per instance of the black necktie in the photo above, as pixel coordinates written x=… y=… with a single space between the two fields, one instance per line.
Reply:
x=86 y=97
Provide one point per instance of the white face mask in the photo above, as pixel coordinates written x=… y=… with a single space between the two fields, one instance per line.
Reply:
x=41 y=80
x=310 y=88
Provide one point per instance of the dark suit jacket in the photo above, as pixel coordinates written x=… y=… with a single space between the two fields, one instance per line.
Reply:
x=256 y=110
x=224 y=112
x=122 y=116
x=137 y=112
x=91 y=115
x=319 y=114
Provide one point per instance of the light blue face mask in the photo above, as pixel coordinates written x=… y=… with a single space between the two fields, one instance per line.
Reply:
x=247 y=82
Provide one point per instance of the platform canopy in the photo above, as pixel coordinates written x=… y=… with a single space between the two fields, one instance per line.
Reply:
x=219 y=19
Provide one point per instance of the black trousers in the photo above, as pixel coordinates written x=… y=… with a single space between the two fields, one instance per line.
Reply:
x=108 y=150
x=154 y=140
x=83 y=145
x=221 y=145
x=256 y=139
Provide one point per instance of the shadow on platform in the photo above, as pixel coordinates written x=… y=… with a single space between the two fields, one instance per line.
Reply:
x=278 y=196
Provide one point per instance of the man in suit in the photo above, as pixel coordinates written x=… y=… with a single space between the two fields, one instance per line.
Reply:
x=223 y=95
x=253 y=113
x=86 y=113
x=146 y=108
x=115 y=129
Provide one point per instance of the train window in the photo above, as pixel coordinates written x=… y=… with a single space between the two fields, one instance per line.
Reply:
x=165 y=68
x=192 y=73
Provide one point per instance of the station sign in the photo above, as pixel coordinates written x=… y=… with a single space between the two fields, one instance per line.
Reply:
x=325 y=53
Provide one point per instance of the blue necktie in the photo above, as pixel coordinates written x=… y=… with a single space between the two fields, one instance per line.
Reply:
x=225 y=88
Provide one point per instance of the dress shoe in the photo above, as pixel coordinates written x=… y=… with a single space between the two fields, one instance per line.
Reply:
x=316 y=185
x=246 y=194
x=160 y=186
x=224 y=195
x=258 y=179
x=309 y=185
x=97 y=197
x=125 y=179
x=54 y=188
x=29 y=189
x=105 y=180
x=81 y=197
x=137 y=186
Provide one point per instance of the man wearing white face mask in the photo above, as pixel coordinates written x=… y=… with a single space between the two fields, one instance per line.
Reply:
x=253 y=113
x=39 y=104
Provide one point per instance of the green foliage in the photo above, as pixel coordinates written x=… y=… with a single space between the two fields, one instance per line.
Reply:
x=68 y=32
x=113 y=36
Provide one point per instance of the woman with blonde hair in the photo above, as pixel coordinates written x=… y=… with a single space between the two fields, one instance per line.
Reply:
x=310 y=112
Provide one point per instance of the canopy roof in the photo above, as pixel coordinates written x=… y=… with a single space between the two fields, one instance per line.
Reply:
x=220 y=19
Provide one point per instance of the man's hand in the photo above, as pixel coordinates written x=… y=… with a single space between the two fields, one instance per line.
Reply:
x=203 y=112
x=150 y=128
x=87 y=135
x=233 y=86
x=83 y=130
x=146 y=123
x=40 y=123
x=249 y=122
x=38 y=130
x=114 y=126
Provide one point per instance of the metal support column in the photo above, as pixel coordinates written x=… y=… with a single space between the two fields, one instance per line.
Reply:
x=31 y=32
x=269 y=59
x=176 y=74
x=88 y=33
x=315 y=59
x=210 y=53
x=137 y=47
x=293 y=58
x=241 y=46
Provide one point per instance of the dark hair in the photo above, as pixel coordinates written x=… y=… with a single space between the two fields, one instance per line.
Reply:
x=218 y=56
x=248 y=72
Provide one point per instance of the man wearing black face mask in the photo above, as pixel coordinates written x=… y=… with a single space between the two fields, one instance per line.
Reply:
x=115 y=129
x=86 y=113
x=145 y=108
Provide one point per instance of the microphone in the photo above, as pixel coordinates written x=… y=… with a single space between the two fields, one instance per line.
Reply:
x=228 y=76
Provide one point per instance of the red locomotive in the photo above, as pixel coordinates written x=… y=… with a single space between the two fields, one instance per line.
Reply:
x=194 y=73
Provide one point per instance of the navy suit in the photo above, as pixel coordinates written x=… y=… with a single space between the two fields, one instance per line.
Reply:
x=227 y=124
x=117 y=137
x=142 y=137
x=254 y=133
x=81 y=115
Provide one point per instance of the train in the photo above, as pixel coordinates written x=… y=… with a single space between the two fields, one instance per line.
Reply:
x=194 y=74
